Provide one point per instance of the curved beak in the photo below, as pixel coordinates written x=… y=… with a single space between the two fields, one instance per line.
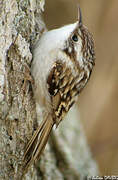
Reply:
x=79 y=16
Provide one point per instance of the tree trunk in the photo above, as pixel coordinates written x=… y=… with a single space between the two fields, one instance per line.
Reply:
x=67 y=155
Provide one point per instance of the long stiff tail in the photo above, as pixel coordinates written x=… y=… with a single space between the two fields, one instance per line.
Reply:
x=38 y=142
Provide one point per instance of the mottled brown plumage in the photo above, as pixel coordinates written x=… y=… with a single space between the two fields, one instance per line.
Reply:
x=69 y=69
x=62 y=89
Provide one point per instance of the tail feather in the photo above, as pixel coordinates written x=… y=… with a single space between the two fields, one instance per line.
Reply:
x=32 y=140
x=38 y=142
x=43 y=140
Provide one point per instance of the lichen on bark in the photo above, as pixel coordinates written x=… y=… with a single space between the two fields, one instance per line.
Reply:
x=17 y=107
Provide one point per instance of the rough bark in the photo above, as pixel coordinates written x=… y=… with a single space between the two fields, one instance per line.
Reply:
x=67 y=155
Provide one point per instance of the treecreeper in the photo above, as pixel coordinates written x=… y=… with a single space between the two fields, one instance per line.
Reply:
x=63 y=60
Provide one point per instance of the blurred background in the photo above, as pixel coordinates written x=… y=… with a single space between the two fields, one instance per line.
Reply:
x=98 y=103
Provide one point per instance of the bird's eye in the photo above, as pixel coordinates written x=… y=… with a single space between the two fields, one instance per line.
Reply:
x=75 y=38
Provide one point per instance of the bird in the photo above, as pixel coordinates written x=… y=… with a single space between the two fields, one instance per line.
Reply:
x=63 y=60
